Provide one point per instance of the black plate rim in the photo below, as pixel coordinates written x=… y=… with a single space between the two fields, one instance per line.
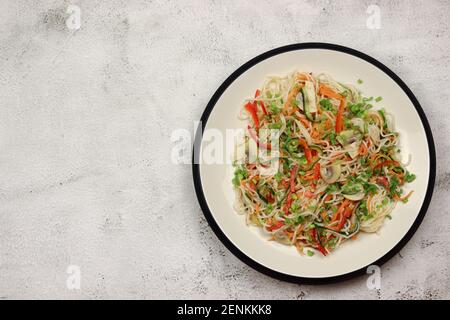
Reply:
x=210 y=218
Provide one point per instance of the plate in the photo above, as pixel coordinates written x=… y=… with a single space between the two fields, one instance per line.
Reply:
x=213 y=180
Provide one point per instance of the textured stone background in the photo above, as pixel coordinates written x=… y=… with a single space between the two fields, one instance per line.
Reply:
x=85 y=124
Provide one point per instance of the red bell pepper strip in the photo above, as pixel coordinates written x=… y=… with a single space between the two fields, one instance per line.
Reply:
x=340 y=116
x=319 y=246
x=261 y=103
x=260 y=144
x=294 y=172
x=288 y=203
x=309 y=194
x=270 y=198
x=277 y=225
x=252 y=109
x=346 y=214
x=383 y=181
x=317 y=171
x=307 y=150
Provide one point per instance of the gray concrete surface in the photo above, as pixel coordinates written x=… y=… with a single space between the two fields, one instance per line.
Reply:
x=85 y=123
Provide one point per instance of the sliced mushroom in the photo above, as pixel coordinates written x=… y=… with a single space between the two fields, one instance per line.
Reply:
x=347 y=137
x=355 y=197
x=353 y=149
x=299 y=100
x=374 y=134
x=353 y=191
x=358 y=122
x=331 y=174
x=390 y=122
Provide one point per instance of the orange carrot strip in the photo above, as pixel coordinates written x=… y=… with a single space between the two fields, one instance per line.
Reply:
x=328 y=92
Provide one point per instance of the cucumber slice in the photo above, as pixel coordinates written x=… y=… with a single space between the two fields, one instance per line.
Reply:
x=309 y=100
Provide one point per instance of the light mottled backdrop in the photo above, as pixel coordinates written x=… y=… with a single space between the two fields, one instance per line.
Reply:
x=85 y=124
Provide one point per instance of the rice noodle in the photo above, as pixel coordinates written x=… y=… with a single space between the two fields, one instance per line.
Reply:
x=301 y=205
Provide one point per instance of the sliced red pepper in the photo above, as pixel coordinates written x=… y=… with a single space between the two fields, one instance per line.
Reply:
x=261 y=103
x=252 y=110
x=347 y=213
x=330 y=93
x=294 y=172
x=252 y=186
x=317 y=171
x=270 y=198
x=288 y=203
x=309 y=194
x=322 y=249
x=319 y=246
x=260 y=144
x=307 y=150
x=383 y=181
x=277 y=225
x=285 y=183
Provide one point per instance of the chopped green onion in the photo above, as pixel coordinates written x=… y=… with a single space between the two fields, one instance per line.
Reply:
x=410 y=177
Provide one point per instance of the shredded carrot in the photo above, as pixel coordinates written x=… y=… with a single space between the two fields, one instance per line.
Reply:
x=292 y=94
x=302 y=77
x=397 y=198
x=362 y=149
x=400 y=175
x=386 y=163
x=328 y=92
x=306 y=150
x=335 y=216
x=304 y=121
x=341 y=208
x=374 y=158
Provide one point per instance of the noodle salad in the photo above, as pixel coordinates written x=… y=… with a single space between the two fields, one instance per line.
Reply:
x=339 y=167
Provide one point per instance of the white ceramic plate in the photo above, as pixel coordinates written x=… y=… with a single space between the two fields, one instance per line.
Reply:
x=213 y=181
